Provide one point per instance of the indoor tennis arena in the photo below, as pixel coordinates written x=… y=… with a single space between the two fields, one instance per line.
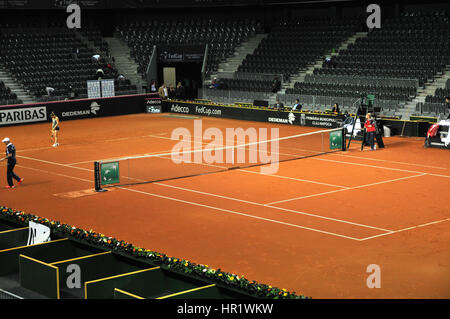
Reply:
x=252 y=150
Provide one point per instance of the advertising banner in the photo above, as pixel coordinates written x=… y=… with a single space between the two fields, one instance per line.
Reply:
x=153 y=105
x=254 y=114
x=180 y=53
x=22 y=115
x=74 y=109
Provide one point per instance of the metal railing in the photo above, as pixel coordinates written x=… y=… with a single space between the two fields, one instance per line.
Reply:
x=309 y=102
x=5 y=295
x=232 y=96
x=250 y=76
x=431 y=108
x=361 y=80
x=327 y=102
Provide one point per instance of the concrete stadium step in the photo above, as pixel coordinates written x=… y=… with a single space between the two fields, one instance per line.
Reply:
x=300 y=77
x=232 y=64
x=16 y=87
x=429 y=89
x=123 y=61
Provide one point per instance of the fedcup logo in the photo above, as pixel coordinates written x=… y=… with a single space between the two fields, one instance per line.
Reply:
x=238 y=146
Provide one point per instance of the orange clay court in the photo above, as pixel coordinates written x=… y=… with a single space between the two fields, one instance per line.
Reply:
x=314 y=227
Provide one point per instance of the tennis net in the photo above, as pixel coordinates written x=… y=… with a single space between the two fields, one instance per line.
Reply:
x=194 y=158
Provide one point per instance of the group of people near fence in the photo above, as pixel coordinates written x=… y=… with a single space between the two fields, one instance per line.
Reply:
x=298 y=107
x=169 y=93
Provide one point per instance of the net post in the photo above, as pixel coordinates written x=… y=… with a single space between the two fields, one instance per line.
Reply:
x=97 y=178
x=344 y=139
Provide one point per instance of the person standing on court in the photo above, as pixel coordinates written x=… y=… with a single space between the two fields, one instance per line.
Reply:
x=447 y=102
x=370 y=127
x=11 y=157
x=55 y=129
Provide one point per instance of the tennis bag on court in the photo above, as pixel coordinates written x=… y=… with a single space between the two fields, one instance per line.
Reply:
x=379 y=139
x=432 y=132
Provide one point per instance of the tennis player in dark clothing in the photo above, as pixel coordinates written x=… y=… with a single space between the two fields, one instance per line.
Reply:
x=11 y=157
x=447 y=102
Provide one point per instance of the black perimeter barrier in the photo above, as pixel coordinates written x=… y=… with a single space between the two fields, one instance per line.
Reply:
x=79 y=109
x=151 y=103
x=416 y=128
x=259 y=114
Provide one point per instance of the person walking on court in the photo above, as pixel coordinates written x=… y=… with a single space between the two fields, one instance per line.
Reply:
x=370 y=131
x=11 y=157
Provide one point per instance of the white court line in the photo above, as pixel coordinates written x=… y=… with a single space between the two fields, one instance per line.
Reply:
x=350 y=163
x=159 y=135
x=164 y=156
x=270 y=175
x=202 y=205
x=274 y=207
x=405 y=229
x=239 y=213
x=48 y=172
x=312 y=215
x=380 y=167
x=105 y=160
x=388 y=232
x=388 y=161
x=53 y=163
x=93 y=143
x=295 y=179
x=349 y=188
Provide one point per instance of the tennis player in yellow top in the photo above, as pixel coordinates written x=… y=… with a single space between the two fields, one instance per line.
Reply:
x=55 y=129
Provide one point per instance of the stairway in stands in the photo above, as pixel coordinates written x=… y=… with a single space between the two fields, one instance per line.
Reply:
x=124 y=63
x=231 y=64
x=16 y=88
x=429 y=89
x=300 y=77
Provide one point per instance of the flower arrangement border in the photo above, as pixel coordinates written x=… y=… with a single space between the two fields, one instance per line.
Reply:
x=227 y=280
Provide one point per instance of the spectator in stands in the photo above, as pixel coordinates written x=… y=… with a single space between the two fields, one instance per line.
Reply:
x=447 y=101
x=278 y=105
x=153 y=88
x=163 y=92
x=172 y=92
x=370 y=127
x=180 y=95
x=214 y=84
x=76 y=51
x=109 y=67
x=49 y=90
x=276 y=85
x=121 y=78
x=346 y=116
x=71 y=93
x=297 y=106
x=335 y=109
x=96 y=58
x=329 y=62
x=100 y=74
